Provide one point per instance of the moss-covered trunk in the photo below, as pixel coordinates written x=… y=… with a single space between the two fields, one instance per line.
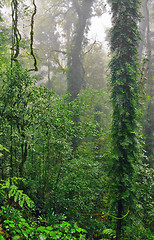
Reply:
x=124 y=83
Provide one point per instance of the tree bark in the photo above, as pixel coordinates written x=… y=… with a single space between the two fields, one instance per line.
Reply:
x=75 y=74
x=23 y=160
x=142 y=27
x=119 y=220
x=125 y=102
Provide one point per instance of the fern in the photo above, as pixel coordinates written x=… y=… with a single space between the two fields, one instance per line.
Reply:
x=2 y=149
x=12 y=191
x=18 y=195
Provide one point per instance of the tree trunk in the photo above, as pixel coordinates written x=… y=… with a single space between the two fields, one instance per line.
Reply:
x=125 y=102
x=142 y=27
x=23 y=160
x=75 y=74
x=119 y=220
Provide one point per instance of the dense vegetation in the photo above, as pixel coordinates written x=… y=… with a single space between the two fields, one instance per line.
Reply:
x=75 y=161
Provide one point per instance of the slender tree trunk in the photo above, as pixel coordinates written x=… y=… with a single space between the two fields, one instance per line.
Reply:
x=11 y=153
x=23 y=160
x=119 y=220
x=143 y=26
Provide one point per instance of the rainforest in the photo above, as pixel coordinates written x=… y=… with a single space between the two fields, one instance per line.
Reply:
x=76 y=114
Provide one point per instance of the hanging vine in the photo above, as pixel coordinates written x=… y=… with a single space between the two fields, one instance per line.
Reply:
x=32 y=38
x=16 y=36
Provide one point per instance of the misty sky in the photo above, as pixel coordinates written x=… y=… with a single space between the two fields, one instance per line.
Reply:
x=98 y=28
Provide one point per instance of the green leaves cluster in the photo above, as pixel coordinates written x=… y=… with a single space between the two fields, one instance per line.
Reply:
x=51 y=181
x=23 y=230
x=124 y=82
x=17 y=194
x=15 y=226
x=4 y=46
x=59 y=180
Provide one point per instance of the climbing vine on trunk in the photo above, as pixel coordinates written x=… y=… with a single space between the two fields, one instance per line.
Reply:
x=16 y=36
x=32 y=38
x=125 y=98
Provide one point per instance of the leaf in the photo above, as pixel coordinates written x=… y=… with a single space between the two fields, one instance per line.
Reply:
x=12 y=225
x=16 y=237
x=20 y=197
x=28 y=201
x=12 y=191
x=26 y=224
x=16 y=196
x=41 y=229
x=108 y=231
x=42 y=237
x=23 y=220
x=49 y=228
x=54 y=234
x=8 y=221
x=2 y=238
x=65 y=224
x=21 y=202
x=78 y=229
x=3 y=148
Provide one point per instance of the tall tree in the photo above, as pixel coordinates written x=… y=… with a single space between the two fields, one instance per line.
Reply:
x=143 y=27
x=75 y=69
x=124 y=83
x=75 y=73
x=61 y=37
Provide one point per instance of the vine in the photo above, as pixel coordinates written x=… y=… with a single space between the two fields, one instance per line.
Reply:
x=125 y=98
x=32 y=38
x=16 y=36
x=108 y=214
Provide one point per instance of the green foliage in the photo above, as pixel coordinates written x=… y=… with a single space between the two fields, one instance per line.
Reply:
x=124 y=81
x=55 y=190
x=109 y=233
x=63 y=230
x=17 y=227
x=2 y=149
x=57 y=179
x=4 y=46
x=2 y=238
x=144 y=193
x=17 y=194
x=126 y=139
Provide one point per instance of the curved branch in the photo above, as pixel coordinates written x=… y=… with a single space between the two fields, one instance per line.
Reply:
x=16 y=36
x=90 y=48
x=32 y=38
